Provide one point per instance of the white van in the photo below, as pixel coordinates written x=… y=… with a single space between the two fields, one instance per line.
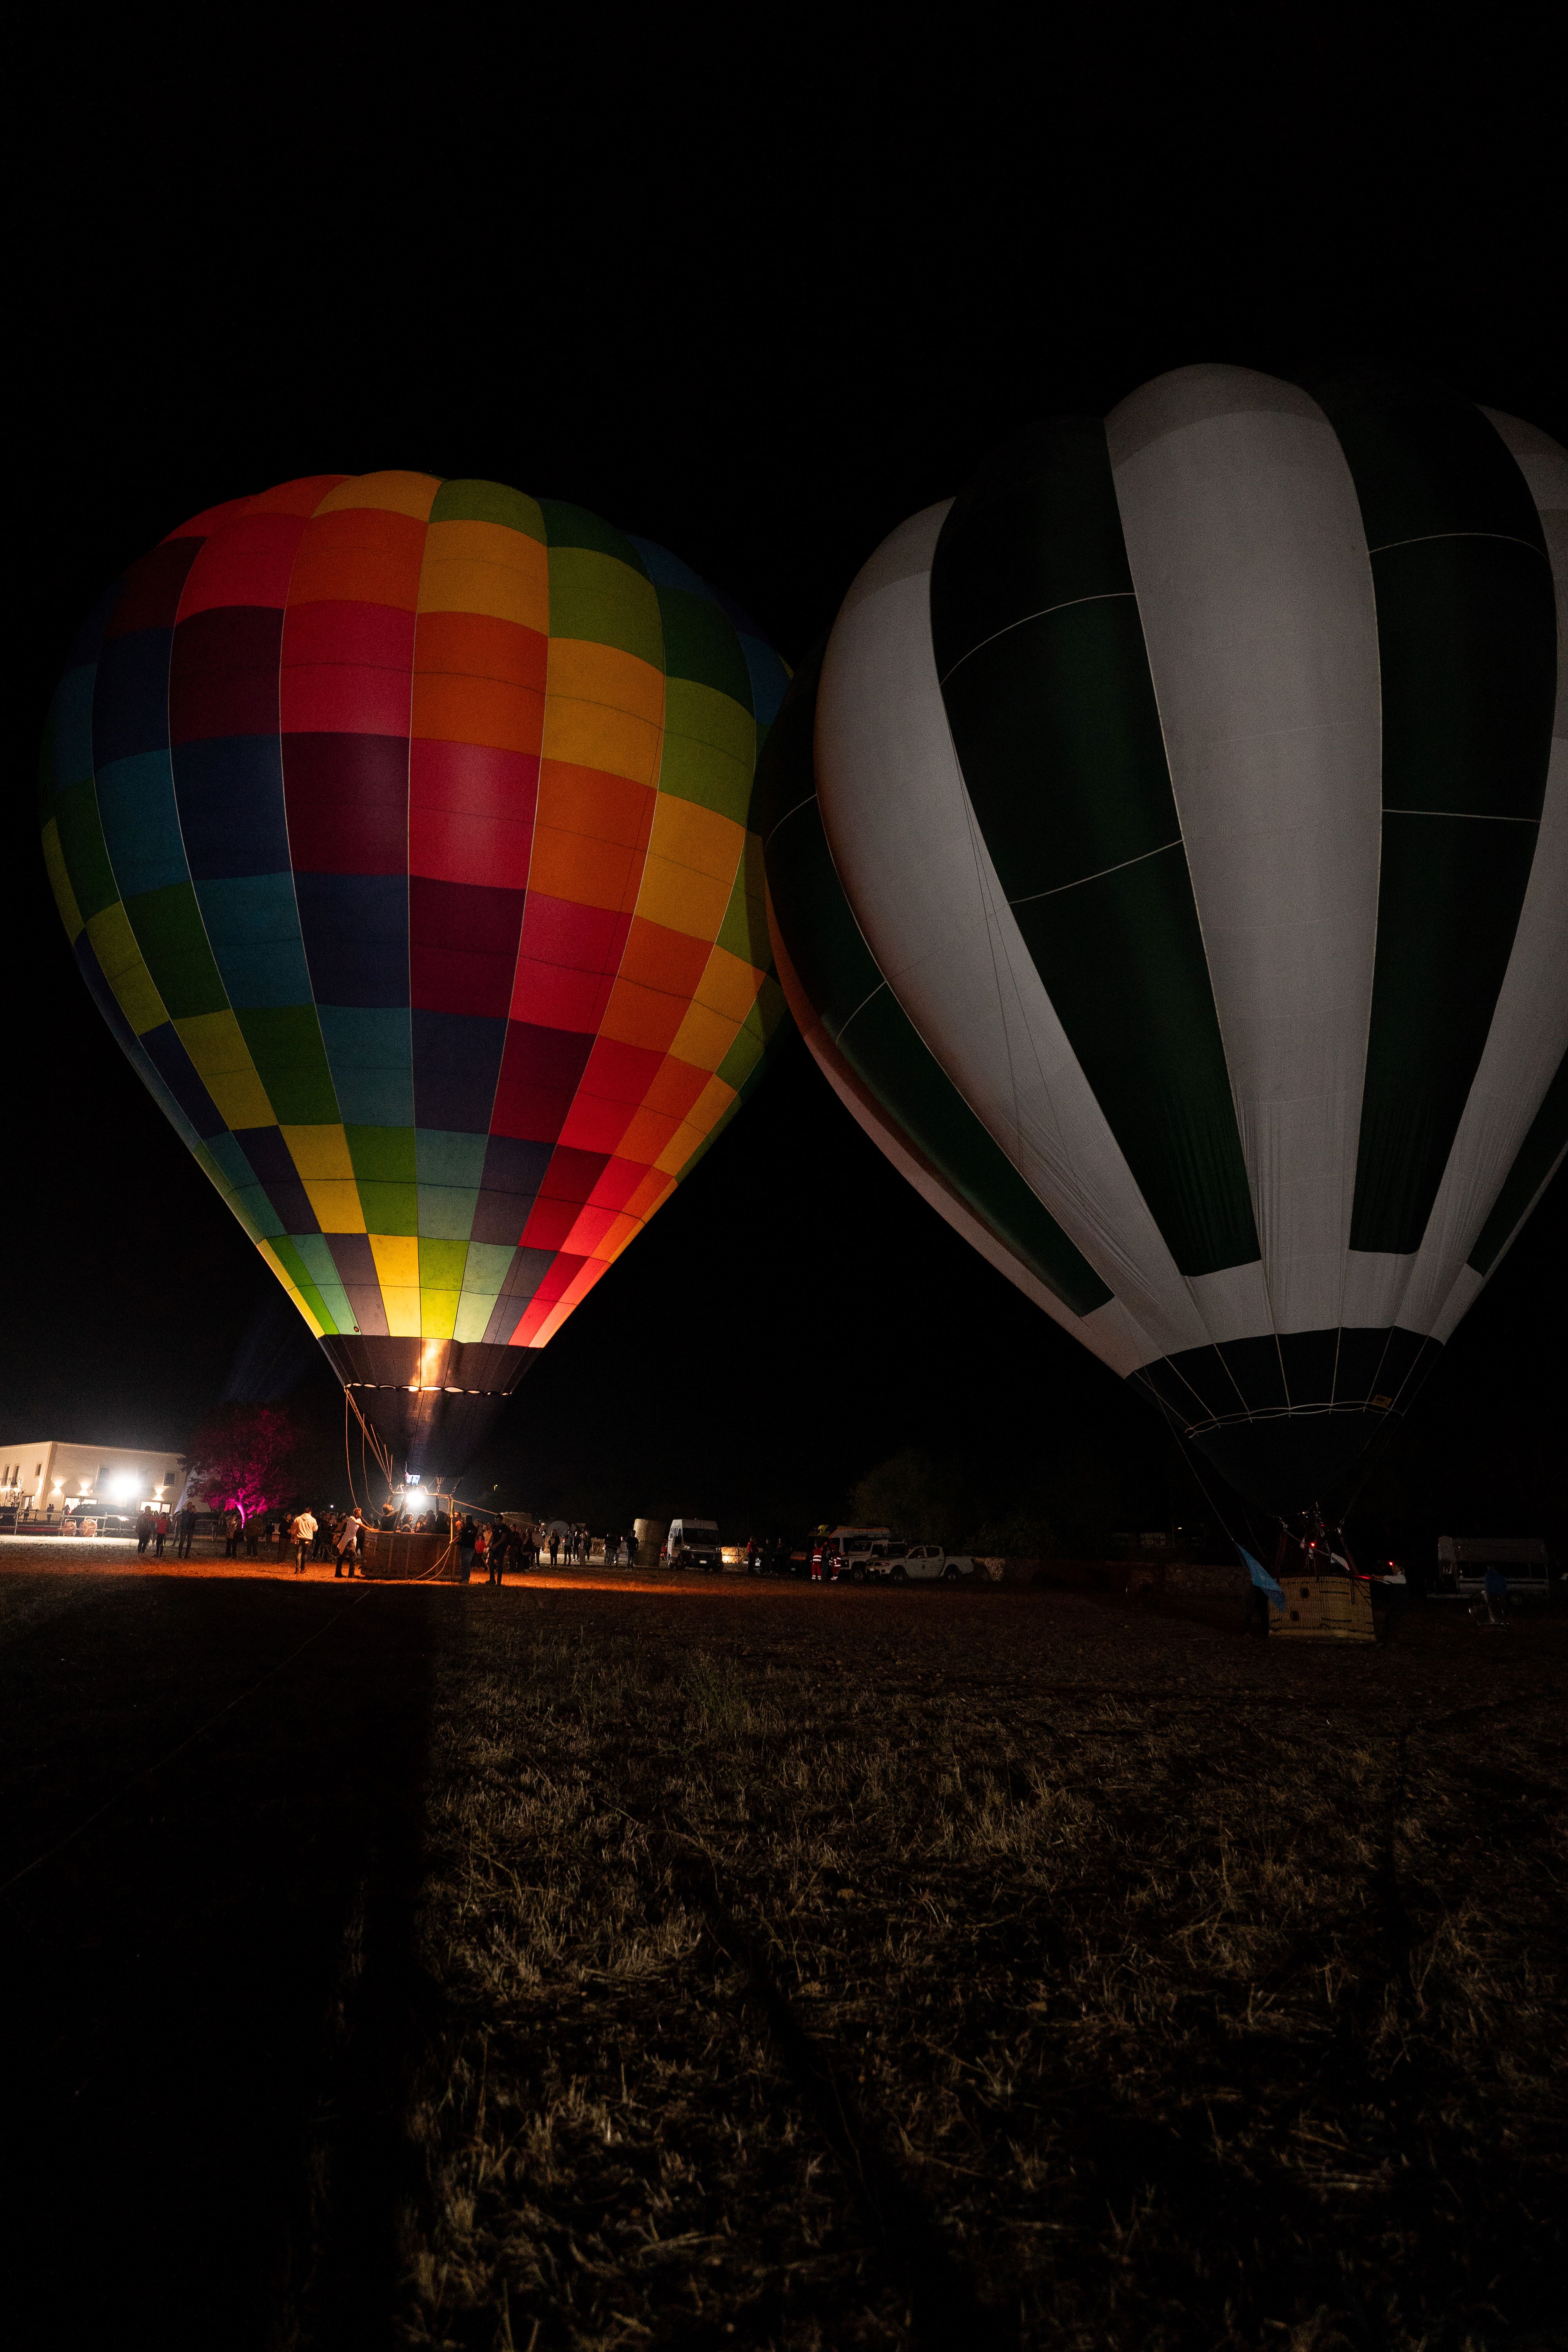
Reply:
x=693 y=1543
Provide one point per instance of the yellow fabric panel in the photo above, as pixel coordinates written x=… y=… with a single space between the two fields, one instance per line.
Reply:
x=404 y=494
x=704 y=1038
x=437 y=1314
x=401 y=1313
x=691 y=861
x=728 y=985
x=221 y=1057
x=602 y=709
x=289 y=1285
x=708 y=1108
x=483 y=567
x=60 y=881
x=396 y=1259
x=321 y=1151
x=125 y=969
x=337 y=1204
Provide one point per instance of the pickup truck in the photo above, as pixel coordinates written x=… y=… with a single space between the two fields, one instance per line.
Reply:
x=920 y=1564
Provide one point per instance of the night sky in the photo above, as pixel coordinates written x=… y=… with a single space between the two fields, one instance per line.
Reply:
x=764 y=346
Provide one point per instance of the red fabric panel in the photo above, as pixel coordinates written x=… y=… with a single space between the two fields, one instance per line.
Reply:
x=247 y=562
x=347 y=797
x=462 y=946
x=470 y=812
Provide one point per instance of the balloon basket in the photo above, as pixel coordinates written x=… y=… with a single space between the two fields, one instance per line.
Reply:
x=1323 y=1609
x=401 y=1555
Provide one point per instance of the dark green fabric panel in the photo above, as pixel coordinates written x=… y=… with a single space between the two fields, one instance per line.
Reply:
x=173 y=942
x=1123 y=962
x=84 y=849
x=570 y=526
x=1037 y=528
x=1447 y=905
x=1466 y=633
x=1058 y=733
x=1424 y=462
x=1467 y=644
x=700 y=644
x=861 y=1014
x=1538 y=1154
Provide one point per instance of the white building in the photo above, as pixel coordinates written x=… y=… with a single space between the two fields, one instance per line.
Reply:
x=45 y=1478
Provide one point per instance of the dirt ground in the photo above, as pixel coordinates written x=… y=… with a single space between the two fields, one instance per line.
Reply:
x=608 y=1961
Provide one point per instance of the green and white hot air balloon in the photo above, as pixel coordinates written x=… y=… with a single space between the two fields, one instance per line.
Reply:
x=1168 y=865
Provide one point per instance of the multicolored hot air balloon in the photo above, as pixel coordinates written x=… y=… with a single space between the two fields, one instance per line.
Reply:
x=400 y=828
x=1168 y=857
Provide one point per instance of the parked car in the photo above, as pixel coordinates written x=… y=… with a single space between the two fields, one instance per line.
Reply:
x=693 y=1543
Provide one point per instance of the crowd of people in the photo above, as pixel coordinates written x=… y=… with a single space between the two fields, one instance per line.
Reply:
x=490 y=1548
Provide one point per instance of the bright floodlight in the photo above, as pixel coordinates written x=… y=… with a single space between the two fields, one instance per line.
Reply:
x=127 y=1485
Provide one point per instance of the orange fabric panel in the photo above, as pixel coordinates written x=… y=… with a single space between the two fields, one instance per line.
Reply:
x=645 y=1135
x=642 y=1016
x=360 y=558
x=411 y=495
x=674 y=1089
x=483 y=567
x=475 y=644
x=663 y=959
x=453 y=709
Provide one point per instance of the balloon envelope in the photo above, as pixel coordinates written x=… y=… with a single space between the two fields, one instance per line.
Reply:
x=400 y=828
x=1168 y=859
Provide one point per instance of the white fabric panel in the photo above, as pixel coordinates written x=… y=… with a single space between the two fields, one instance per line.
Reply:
x=1374 y=1286
x=920 y=881
x=1529 y=1034
x=1244 y=533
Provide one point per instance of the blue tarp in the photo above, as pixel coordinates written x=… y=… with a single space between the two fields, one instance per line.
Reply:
x=1261 y=1578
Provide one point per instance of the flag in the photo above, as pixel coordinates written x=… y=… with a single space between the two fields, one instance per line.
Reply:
x=1261 y=1578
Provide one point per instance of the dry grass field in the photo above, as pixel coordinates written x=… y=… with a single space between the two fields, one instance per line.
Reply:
x=755 y=1964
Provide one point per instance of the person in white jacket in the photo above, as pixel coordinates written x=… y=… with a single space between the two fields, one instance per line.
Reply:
x=302 y=1534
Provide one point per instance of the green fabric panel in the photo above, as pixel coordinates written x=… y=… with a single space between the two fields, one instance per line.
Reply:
x=859 y=1012
x=597 y=597
x=1447 y=905
x=257 y=1213
x=389 y=1208
x=386 y=1155
x=84 y=850
x=487 y=1267
x=1466 y=634
x=1038 y=528
x=744 y=930
x=290 y=1060
x=447 y=1212
x=1467 y=644
x=1425 y=463
x=288 y=1256
x=1539 y=1153
x=1058 y=733
x=569 y=526
x=441 y=1264
x=172 y=939
x=700 y=644
x=317 y=1257
x=466 y=501
x=709 y=749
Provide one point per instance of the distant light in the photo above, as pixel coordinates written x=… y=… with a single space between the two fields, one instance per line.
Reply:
x=413 y=1477
x=127 y=1485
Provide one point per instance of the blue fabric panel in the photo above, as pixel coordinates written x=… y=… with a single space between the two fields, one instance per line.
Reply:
x=174 y=1066
x=69 y=731
x=254 y=927
x=140 y=823
x=667 y=571
x=449 y=1159
x=230 y=791
x=226 y=1149
x=769 y=682
x=355 y=928
x=370 y=1056
x=456 y=1061
x=131 y=699
x=260 y=1210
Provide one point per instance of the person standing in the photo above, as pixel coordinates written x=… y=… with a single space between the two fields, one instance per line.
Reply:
x=348 y=1544
x=231 y=1534
x=252 y=1535
x=301 y=1534
x=160 y=1530
x=185 y=1522
x=144 y=1534
x=482 y=1541
x=466 y=1535
x=1395 y=1595
x=554 y=1545
x=1494 y=1584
